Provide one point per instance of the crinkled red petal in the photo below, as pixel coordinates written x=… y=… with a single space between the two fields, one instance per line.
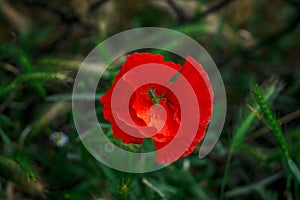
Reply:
x=204 y=93
x=143 y=103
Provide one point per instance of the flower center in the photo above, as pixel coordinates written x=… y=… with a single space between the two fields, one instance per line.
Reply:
x=158 y=117
x=155 y=98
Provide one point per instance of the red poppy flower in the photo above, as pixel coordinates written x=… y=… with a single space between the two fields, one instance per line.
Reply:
x=141 y=103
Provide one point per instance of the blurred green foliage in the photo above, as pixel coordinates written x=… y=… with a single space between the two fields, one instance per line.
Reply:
x=42 y=44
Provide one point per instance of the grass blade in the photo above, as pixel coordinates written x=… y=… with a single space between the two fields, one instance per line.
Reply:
x=246 y=119
x=270 y=120
x=7 y=141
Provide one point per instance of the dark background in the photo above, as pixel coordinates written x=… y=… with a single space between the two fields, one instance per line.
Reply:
x=42 y=44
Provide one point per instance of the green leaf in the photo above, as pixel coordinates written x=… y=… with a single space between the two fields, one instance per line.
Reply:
x=247 y=189
x=175 y=77
x=294 y=169
x=271 y=121
x=7 y=141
